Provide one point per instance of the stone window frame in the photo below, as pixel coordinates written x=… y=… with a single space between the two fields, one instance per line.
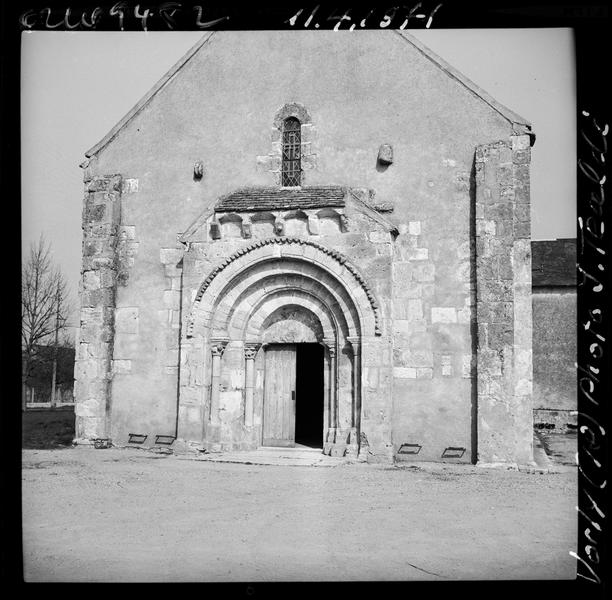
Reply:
x=272 y=162
x=291 y=153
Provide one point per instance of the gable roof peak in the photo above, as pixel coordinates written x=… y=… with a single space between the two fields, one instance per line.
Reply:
x=520 y=125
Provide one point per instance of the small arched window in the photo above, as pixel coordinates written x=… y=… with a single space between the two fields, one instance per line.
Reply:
x=291 y=163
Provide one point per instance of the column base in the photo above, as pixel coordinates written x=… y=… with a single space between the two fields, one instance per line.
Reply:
x=334 y=449
x=338 y=450
x=352 y=451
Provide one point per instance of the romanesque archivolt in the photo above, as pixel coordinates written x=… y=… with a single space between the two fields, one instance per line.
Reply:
x=331 y=256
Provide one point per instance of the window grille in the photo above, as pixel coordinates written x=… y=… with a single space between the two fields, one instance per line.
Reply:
x=291 y=163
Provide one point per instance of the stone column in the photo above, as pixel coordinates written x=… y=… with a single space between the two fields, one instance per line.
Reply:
x=250 y=352
x=503 y=302
x=330 y=443
x=217 y=348
x=353 y=442
x=93 y=364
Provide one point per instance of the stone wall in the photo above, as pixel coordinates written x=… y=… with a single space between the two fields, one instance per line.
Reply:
x=317 y=267
x=554 y=333
x=503 y=302
x=97 y=290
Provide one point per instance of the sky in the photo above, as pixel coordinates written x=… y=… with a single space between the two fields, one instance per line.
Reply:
x=76 y=86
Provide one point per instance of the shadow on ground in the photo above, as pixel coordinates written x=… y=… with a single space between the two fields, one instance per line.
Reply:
x=47 y=429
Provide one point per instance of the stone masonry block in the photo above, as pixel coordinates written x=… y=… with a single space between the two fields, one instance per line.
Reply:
x=370 y=376
x=172 y=299
x=423 y=272
x=417 y=254
x=484 y=227
x=88 y=369
x=414 y=309
x=467 y=365
x=399 y=309
x=91 y=280
x=107 y=277
x=401 y=327
x=127 y=232
x=170 y=256
x=98 y=350
x=121 y=366
x=379 y=237
x=409 y=290
x=404 y=373
x=464 y=315
x=443 y=314
x=520 y=142
x=446 y=365
x=424 y=373
x=82 y=351
x=419 y=358
x=522 y=230
x=414 y=227
x=126 y=346
x=464 y=250
x=126 y=319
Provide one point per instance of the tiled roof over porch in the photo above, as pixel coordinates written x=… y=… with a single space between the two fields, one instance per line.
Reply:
x=271 y=198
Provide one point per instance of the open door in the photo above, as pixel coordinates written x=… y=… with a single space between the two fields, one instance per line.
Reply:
x=279 y=395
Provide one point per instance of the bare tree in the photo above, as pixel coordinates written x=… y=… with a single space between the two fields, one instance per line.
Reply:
x=44 y=306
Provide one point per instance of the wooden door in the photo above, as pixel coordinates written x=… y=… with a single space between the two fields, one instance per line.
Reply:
x=279 y=396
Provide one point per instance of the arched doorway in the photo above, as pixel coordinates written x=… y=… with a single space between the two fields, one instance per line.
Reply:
x=288 y=292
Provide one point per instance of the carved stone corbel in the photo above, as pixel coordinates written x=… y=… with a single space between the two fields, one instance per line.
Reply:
x=247 y=227
x=279 y=226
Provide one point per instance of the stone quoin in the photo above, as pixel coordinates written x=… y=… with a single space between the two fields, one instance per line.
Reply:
x=317 y=239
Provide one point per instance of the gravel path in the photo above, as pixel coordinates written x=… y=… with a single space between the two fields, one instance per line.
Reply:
x=133 y=515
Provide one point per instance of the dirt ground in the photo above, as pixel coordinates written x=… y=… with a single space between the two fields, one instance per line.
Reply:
x=135 y=515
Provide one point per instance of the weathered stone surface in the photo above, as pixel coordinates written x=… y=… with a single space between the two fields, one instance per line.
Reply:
x=443 y=314
x=121 y=366
x=93 y=364
x=503 y=279
x=386 y=292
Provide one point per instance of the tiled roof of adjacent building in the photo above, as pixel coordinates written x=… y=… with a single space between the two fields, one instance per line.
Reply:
x=269 y=198
x=553 y=263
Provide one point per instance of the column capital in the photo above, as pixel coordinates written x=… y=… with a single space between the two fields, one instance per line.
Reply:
x=331 y=345
x=251 y=349
x=354 y=341
x=217 y=347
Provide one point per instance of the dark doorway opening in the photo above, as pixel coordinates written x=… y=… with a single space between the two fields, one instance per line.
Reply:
x=309 y=395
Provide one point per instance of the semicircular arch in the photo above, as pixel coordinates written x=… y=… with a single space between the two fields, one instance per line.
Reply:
x=323 y=264
x=294 y=284
x=251 y=326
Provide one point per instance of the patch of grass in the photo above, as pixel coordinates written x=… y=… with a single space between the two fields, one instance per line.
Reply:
x=46 y=429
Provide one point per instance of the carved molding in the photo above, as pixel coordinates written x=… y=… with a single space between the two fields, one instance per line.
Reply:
x=289 y=241
x=218 y=347
x=355 y=343
x=330 y=344
x=250 y=350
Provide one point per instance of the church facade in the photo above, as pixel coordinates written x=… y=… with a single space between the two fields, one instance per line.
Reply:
x=310 y=238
